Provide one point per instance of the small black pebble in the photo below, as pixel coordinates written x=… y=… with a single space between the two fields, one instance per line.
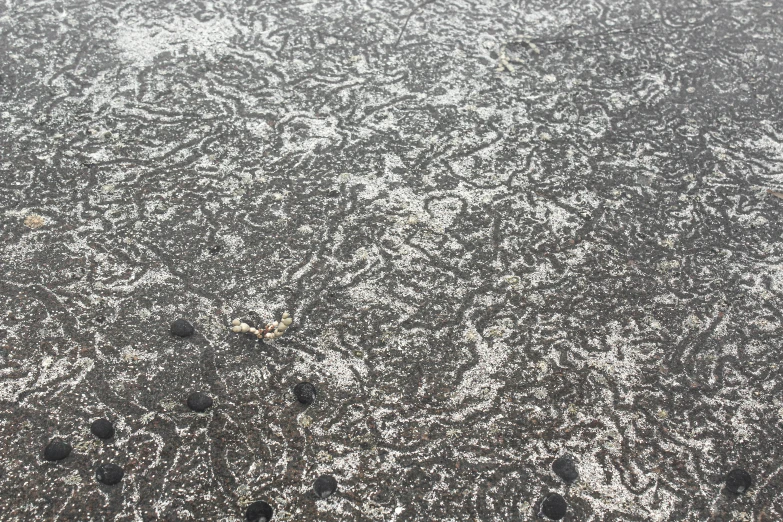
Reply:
x=565 y=468
x=198 y=401
x=102 y=429
x=324 y=486
x=259 y=511
x=109 y=474
x=57 y=449
x=554 y=506
x=182 y=328
x=305 y=392
x=738 y=481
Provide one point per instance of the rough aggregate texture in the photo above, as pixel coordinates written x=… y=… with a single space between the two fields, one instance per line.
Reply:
x=505 y=231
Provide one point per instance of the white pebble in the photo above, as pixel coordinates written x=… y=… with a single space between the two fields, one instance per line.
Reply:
x=287 y=321
x=244 y=327
x=285 y=315
x=253 y=330
x=270 y=335
x=236 y=328
x=236 y=322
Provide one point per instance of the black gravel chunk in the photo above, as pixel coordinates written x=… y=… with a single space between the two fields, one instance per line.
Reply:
x=259 y=511
x=182 y=328
x=738 y=481
x=565 y=468
x=109 y=474
x=554 y=506
x=324 y=486
x=102 y=429
x=305 y=392
x=199 y=402
x=57 y=449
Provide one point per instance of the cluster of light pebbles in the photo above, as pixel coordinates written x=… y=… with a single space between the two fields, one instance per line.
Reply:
x=271 y=331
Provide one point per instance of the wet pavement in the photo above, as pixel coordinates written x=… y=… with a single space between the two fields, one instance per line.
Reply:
x=506 y=232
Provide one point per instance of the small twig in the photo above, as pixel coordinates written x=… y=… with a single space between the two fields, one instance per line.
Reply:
x=775 y=193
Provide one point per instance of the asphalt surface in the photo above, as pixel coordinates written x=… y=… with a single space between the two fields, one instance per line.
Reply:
x=505 y=232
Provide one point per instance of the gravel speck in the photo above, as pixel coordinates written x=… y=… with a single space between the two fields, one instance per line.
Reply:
x=738 y=481
x=109 y=474
x=565 y=468
x=305 y=392
x=102 y=429
x=182 y=328
x=57 y=449
x=324 y=486
x=554 y=506
x=200 y=402
x=259 y=511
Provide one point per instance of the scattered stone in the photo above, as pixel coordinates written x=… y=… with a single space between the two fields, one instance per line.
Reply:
x=305 y=393
x=199 y=402
x=554 y=506
x=57 y=449
x=109 y=474
x=259 y=511
x=182 y=328
x=565 y=468
x=324 y=486
x=738 y=481
x=102 y=429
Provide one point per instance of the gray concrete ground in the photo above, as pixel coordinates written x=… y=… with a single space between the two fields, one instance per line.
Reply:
x=505 y=231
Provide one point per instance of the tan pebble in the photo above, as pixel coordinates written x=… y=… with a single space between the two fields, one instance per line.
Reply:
x=34 y=221
x=236 y=329
x=244 y=327
x=287 y=321
x=236 y=322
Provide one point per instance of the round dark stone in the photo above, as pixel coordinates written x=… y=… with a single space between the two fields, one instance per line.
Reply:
x=57 y=449
x=259 y=511
x=738 y=481
x=554 y=506
x=199 y=402
x=182 y=328
x=305 y=392
x=324 y=486
x=102 y=429
x=109 y=474
x=565 y=468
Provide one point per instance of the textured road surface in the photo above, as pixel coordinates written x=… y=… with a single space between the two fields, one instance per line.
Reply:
x=506 y=231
